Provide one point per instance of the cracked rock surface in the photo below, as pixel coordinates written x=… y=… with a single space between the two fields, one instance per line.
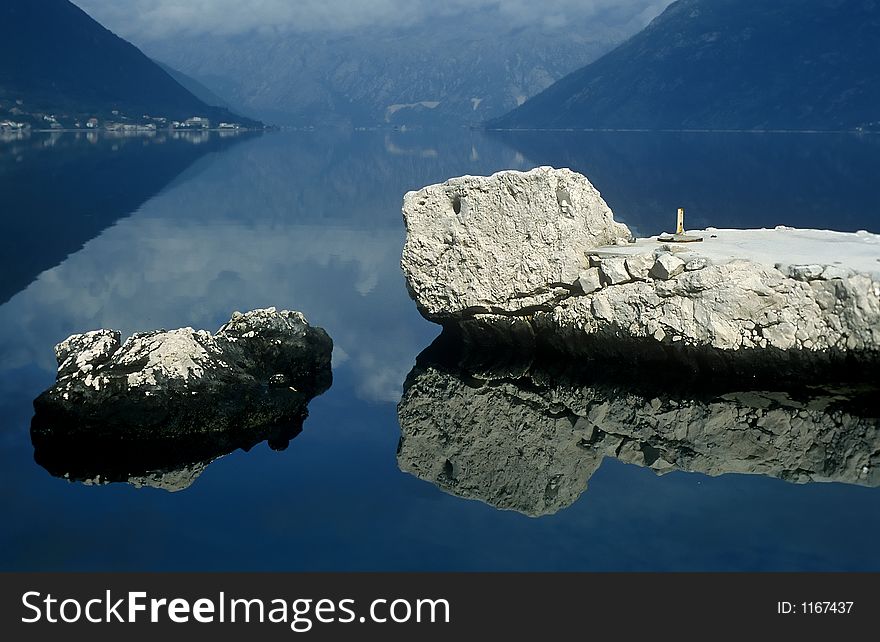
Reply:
x=504 y=243
x=158 y=407
x=522 y=269
x=528 y=438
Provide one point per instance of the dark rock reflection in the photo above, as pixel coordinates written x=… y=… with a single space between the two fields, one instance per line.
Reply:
x=527 y=437
x=173 y=465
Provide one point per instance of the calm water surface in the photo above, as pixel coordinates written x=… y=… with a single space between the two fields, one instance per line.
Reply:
x=137 y=234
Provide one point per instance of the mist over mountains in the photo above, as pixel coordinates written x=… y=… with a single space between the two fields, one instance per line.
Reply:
x=420 y=64
x=700 y=64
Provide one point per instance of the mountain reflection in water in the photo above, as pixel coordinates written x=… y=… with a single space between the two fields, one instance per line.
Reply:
x=61 y=190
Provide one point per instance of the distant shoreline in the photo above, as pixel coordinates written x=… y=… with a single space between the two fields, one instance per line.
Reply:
x=859 y=132
x=100 y=130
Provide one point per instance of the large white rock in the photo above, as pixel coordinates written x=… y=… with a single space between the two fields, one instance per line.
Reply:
x=504 y=243
x=639 y=266
x=513 y=250
x=614 y=271
x=589 y=281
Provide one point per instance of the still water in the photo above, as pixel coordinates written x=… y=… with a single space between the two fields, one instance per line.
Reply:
x=137 y=234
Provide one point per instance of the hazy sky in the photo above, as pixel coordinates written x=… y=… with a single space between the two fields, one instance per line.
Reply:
x=152 y=19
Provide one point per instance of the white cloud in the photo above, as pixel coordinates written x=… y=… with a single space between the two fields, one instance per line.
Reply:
x=153 y=19
x=229 y=267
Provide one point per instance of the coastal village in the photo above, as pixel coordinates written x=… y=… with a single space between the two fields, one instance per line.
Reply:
x=15 y=120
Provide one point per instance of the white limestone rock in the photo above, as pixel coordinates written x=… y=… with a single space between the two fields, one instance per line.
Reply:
x=779 y=296
x=666 y=267
x=82 y=352
x=165 y=384
x=614 y=270
x=697 y=263
x=639 y=266
x=158 y=408
x=503 y=243
x=805 y=272
x=589 y=281
x=737 y=305
x=836 y=272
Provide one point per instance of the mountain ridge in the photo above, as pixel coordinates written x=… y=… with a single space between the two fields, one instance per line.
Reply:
x=726 y=64
x=55 y=58
x=474 y=68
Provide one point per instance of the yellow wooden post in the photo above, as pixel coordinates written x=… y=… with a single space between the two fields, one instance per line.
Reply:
x=679 y=236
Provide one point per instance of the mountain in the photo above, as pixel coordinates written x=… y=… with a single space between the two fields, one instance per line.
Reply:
x=720 y=178
x=462 y=71
x=727 y=64
x=55 y=58
x=193 y=86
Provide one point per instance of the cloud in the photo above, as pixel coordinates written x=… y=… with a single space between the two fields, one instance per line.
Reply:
x=164 y=279
x=156 y=19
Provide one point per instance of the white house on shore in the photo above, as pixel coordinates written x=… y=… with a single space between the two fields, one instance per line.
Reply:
x=197 y=122
x=11 y=125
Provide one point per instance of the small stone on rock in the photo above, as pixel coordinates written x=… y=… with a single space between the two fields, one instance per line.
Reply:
x=588 y=281
x=805 y=272
x=696 y=264
x=614 y=270
x=666 y=267
x=836 y=272
x=639 y=266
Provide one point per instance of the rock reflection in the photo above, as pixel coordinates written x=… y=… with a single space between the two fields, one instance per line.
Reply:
x=528 y=437
x=169 y=466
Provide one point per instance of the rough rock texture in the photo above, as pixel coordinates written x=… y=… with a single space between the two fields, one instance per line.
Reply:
x=527 y=438
x=504 y=243
x=736 y=305
x=665 y=267
x=505 y=267
x=164 y=401
x=639 y=266
x=172 y=480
